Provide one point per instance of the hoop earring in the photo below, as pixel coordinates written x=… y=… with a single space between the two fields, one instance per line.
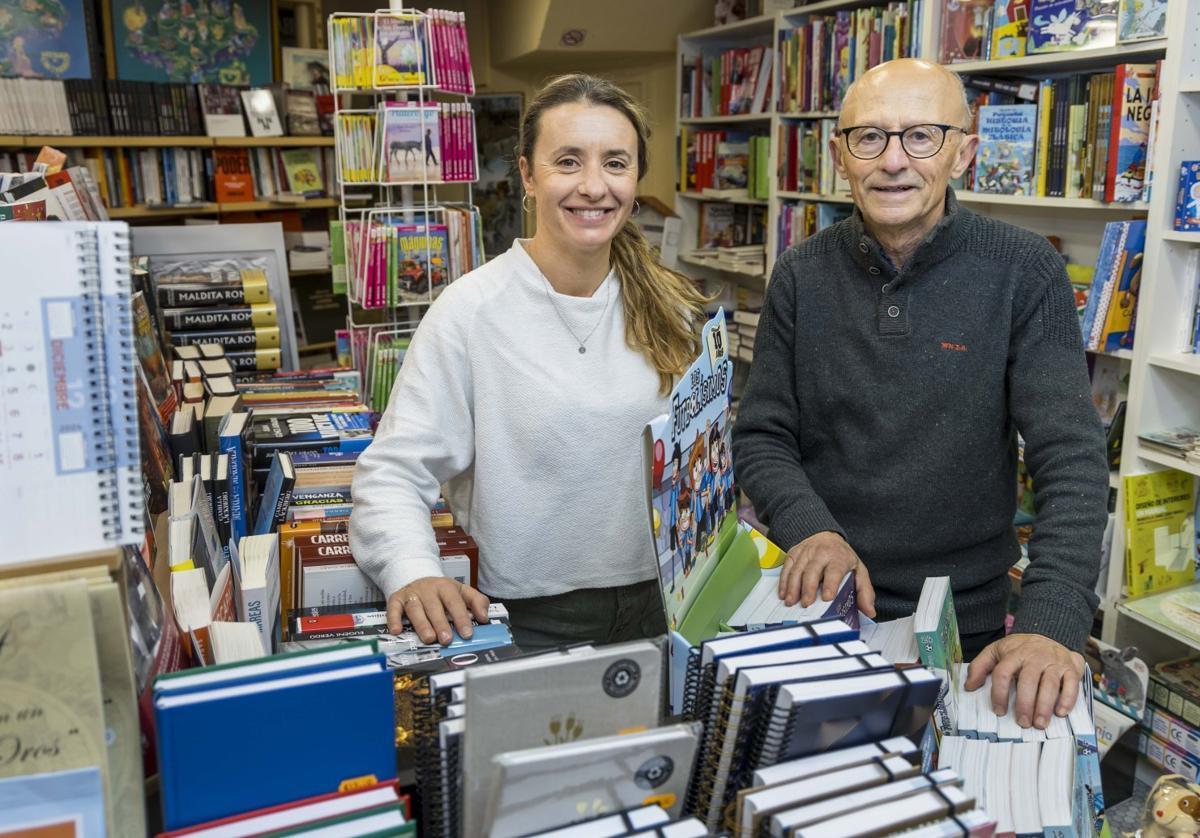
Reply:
x=525 y=205
x=637 y=209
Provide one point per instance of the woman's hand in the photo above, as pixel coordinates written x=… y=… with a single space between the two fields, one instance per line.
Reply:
x=432 y=604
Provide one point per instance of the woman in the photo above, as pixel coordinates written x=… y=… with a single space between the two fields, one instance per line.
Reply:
x=525 y=391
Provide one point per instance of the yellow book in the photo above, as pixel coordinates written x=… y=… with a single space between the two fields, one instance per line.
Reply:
x=1045 y=111
x=1160 y=531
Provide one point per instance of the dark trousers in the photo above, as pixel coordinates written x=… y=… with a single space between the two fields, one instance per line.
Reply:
x=588 y=615
x=973 y=644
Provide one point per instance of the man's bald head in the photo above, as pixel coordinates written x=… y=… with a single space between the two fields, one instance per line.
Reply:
x=940 y=90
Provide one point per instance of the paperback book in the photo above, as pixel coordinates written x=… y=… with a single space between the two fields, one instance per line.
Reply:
x=1004 y=161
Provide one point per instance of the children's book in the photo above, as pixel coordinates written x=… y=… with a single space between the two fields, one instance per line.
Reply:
x=1187 y=198
x=1117 y=331
x=708 y=563
x=411 y=148
x=303 y=169
x=1133 y=93
x=964 y=30
x=399 y=57
x=716 y=225
x=1141 y=20
x=262 y=113
x=1010 y=28
x=1057 y=25
x=423 y=259
x=1004 y=161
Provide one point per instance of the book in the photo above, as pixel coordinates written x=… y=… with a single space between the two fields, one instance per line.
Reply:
x=1004 y=161
x=1127 y=147
x=300 y=112
x=1141 y=20
x=253 y=339
x=222 y=110
x=399 y=51
x=321 y=431
x=1066 y=25
x=411 y=144
x=1159 y=531
x=1187 y=197
x=963 y=30
x=569 y=697
x=75 y=369
x=277 y=493
x=261 y=112
x=1117 y=329
x=58 y=802
x=608 y=773
x=302 y=168
x=258 y=588
x=255 y=705
x=202 y=318
x=1010 y=29
x=935 y=627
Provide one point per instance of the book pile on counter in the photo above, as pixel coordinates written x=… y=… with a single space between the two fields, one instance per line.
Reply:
x=1170 y=733
x=742 y=332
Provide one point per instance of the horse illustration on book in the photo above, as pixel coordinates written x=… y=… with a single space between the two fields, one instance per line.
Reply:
x=400 y=150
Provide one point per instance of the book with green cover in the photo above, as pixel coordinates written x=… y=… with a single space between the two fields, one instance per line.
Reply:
x=935 y=627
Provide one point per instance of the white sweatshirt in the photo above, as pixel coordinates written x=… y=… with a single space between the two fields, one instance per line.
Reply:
x=539 y=446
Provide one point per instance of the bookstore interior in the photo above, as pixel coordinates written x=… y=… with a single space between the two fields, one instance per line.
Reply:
x=233 y=219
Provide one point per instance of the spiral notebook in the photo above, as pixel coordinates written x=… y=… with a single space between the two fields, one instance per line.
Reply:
x=69 y=466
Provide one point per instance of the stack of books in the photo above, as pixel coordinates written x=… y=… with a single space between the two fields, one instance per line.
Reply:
x=742 y=332
x=1181 y=441
x=1170 y=735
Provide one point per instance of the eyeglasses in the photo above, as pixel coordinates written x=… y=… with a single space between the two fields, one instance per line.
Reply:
x=866 y=142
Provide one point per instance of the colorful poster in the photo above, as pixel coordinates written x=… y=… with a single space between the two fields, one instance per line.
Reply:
x=223 y=41
x=44 y=39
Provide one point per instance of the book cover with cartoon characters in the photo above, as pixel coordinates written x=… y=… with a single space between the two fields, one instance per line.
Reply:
x=1058 y=25
x=1130 y=132
x=1004 y=161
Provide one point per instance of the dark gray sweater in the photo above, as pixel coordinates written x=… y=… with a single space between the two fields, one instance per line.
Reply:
x=884 y=405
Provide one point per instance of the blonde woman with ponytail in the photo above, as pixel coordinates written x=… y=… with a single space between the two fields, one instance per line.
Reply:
x=525 y=391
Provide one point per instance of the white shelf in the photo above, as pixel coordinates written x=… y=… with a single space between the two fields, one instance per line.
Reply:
x=1179 y=361
x=836 y=198
x=699 y=196
x=1123 y=354
x=725 y=120
x=1164 y=459
x=700 y=263
x=1189 y=236
x=1050 y=203
x=1072 y=60
x=1190 y=86
x=761 y=25
x=1157 y=626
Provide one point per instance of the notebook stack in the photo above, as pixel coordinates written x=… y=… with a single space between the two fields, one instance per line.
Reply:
x=545 y=742
x=210 y=720
x=781 y=694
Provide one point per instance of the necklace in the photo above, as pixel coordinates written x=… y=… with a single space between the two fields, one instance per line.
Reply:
x=563 y=320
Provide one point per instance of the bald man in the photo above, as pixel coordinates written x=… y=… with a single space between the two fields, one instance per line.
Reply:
x=898 y=355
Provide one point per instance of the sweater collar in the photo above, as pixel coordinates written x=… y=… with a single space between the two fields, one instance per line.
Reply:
x=942 y=241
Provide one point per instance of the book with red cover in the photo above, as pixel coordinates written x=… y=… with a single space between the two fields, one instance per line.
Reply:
x=233 y=180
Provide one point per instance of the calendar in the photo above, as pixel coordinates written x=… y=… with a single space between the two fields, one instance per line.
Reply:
x=65 y=403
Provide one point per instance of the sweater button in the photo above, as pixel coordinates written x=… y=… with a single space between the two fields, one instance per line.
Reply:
x=864 y=247
x=873 y=271
x=883 y=289
x=893 y=311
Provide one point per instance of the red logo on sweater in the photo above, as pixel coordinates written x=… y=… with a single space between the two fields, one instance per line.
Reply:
x=954 y=347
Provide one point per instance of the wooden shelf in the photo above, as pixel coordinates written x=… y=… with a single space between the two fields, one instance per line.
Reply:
x=1072 y=60
x=808 y=114
x=253 y=206
x=272 y=142
x=31 y=140
x=723 y=120
x=143 y=211
x=1179 y=361
x=699 y=196
x=1050 y=203
x=1169 y=460
x=836 y=198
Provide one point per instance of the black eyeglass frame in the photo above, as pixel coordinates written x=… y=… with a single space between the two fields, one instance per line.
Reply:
x=946 y=129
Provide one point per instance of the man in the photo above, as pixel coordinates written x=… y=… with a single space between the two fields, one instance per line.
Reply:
x=899 y=352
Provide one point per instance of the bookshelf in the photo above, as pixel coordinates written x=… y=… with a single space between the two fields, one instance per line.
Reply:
x=1162 y=380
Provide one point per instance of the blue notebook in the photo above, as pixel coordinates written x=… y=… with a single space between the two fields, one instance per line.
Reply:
x=236 y=748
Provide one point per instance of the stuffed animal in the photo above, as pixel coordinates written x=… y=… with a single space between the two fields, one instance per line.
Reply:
x=1172 y=809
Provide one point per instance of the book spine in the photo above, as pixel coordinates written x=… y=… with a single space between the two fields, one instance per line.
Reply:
x=261 y=315
x=233 y=339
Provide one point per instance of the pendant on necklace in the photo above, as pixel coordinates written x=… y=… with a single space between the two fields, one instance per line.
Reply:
x=582 y=349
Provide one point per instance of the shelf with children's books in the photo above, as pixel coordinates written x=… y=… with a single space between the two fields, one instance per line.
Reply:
x=1182 y=236
x=274 y=142
x=1066 y=61
x=969 y=197
x=143 y=211
x=405 y=140
x=726 y=119
x=761 y=25
x=1180 y=361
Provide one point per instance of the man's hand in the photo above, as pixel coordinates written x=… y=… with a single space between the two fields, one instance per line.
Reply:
x=817 y=565
x=431 y=604
x=1047 y=675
